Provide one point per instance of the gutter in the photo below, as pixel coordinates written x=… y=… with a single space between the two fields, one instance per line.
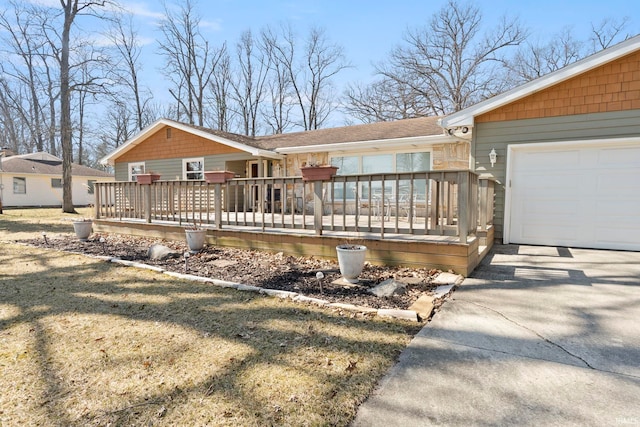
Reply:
x=377 y=144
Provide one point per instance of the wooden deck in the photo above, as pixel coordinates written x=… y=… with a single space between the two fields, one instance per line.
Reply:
x=434 y=219
x=417 y=251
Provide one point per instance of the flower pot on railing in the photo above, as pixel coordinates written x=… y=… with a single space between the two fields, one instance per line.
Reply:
x=218 y=177
x=318 y=173
x=147 y=178
x=83 y=229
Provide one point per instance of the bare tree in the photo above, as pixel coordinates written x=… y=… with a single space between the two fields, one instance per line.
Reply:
x=127 y=70
x=534 y=60
x=71 y=9
x=309 y=72
x=279 y=84
x=189 y=60
x=248 y=87
x=383 y=100
x=444 y=67
x=608 y=32
x=220 y=91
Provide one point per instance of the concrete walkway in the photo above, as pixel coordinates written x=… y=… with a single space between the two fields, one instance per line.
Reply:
x=537 y=336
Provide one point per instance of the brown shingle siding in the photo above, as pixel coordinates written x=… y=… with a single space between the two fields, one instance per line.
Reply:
x=611 y=87
x=180 y=145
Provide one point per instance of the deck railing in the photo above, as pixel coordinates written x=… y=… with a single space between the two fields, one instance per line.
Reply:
x=446 y=203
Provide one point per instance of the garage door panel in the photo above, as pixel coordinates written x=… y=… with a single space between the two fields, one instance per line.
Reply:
x=587 y=196
x=541 y=161
x=619 y=157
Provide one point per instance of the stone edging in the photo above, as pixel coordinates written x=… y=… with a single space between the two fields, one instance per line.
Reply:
x=408 y=315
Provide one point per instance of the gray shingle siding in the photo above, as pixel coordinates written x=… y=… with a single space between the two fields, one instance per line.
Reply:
x=499 y=135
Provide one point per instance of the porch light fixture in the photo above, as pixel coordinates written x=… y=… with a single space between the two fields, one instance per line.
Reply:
x=493 y=156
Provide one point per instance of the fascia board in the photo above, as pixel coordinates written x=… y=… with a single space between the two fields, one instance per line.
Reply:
x=415 y=141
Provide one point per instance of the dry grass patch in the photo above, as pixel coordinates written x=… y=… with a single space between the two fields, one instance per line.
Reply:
x=84 y=342
x=18 y=224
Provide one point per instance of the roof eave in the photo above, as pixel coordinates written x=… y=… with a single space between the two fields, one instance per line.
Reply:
x=369 y=144
x=110 y=159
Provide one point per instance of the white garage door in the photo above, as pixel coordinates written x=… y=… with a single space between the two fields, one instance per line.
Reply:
x=578 y=195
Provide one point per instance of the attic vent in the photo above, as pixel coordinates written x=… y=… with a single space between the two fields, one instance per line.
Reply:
x=168 y=133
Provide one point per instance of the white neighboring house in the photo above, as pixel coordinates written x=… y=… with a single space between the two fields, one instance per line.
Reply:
x=36 y=180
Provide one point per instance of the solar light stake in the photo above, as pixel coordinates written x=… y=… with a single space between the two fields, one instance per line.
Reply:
x=44 y=235
x=319 y=277
x=186 y=261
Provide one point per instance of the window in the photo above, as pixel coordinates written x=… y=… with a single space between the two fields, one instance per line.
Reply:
x=380 y=163
x=90 y=187
x=193 y=169
x=135 y=169
x=56 y=182
x=19 y=185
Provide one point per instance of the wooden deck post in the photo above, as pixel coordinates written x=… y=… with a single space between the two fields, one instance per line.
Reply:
x=317 y=207
x=217 y=205
x=147 y=207
x=463 y=206
x=96 y=202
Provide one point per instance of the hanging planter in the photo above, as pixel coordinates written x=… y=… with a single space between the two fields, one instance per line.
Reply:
x=318 y=173
x=218 y=177
x=147 y=178
x=83 y=229
x=351 y=260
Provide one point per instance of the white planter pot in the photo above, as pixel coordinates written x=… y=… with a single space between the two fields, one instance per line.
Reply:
x=83 y=229
x=351 y=261
x=195 y=239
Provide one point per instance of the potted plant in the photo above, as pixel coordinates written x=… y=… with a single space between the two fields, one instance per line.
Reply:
x=83 y=228
x=147 y=178
x=218 y=177
x=351 y=260
x=196 y=237
x=318 y=172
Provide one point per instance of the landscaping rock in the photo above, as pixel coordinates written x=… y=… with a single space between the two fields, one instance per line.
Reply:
x=423 y=306
x=442 y=291
x=161 y=252
x=389 y=288
x=448 y=279
x=409 y=315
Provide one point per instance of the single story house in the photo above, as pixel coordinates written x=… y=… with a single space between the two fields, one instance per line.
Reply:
x=178 y=151
x=35 y=179
x=564 y=150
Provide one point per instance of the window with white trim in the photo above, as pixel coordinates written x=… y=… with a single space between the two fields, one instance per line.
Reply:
x=19 y=185
x=193 y=169
x=136 y=169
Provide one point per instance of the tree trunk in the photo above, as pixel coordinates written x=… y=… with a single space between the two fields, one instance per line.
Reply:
x=70 y=8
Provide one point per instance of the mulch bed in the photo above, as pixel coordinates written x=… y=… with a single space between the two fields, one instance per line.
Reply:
x=258 y=268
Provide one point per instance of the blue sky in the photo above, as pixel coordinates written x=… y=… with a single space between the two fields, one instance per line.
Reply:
x=368 y=30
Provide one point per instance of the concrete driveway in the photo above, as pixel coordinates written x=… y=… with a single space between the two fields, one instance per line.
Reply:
x=536 y=336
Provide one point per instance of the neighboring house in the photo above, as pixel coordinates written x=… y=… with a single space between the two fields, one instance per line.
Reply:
x=568 y=153
x=36 y=180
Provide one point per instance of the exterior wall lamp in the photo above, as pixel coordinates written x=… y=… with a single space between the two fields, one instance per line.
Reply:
x=493 y=156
